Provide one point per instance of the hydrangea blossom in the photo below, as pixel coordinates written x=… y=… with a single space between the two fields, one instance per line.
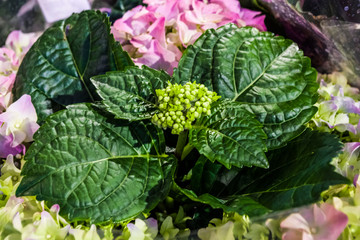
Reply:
x=351 y=207
x=322 y=222
x=347 y=163
x=156 y=34
x=19 y=120
x=142 y=229
x=16 y=46
x=181 y=105
x=338 y=108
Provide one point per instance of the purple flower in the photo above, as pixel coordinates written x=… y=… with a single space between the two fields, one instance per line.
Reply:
x=6 y=148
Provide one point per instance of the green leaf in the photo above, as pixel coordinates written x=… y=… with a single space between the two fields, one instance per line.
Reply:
x=269 y=75
x=96 y=167
x=57 y=69
x=231 y=136
x=297 y=175
x=130 y=94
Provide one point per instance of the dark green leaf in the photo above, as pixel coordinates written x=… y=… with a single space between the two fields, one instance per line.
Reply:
x=240 y=204
x=57 y=69
x=231 y=136
x=297 y=175
x=268 y=75
x=97 y=168
x=130 y=94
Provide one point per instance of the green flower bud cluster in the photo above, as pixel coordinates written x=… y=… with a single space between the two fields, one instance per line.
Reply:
x=180 y=105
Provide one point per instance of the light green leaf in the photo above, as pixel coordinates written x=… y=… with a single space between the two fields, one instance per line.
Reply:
x=130 y=94
x=57 y=69
x=97 y=168
x=231 y=136
x=269 y=75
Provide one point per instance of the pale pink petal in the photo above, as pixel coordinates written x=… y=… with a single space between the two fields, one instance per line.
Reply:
x=188 y=32
x=29 y=128
x=23 y=106
x=319 y=215
x=295 y=221
x=20 y=42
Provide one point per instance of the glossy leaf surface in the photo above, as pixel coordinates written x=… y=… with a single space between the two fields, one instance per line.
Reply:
x=269 y=75
x=130 y=94
x=297 y=175
x=231 y=136
x=57 y=69
x=96 y=167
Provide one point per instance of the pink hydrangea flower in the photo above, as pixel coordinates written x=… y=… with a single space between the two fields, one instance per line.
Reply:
x=314 y=223
x=17 y=44
x=20 y=42
x=6 y=84
x=19 y=120
x=156 y=34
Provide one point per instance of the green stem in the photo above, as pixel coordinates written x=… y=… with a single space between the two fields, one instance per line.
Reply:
x=186 y=151
x=181 y=144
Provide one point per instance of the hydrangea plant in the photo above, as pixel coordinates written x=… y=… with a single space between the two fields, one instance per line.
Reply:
x=240 y=97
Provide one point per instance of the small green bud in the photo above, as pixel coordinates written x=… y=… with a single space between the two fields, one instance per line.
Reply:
x=166 y=99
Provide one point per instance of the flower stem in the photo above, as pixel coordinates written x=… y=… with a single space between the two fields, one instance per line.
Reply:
x=181 y=144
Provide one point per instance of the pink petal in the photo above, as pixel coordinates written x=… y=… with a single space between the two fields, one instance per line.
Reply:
x=296 y=222
x=157 y=30
x=336 y=222
x=292 y=235
x=23 y=106
x=29 y=128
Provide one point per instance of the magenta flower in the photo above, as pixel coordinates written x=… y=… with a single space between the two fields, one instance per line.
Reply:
x=315 y=223
x=19 y=120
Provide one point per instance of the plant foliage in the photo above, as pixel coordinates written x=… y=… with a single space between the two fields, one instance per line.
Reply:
x=57 y=69
x=107 y=161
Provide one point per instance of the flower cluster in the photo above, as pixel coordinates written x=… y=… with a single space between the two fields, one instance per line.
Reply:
x=18 y=119
x=339 y=109
x=155 y=35
x=27 y=218
x=180 y=105
x=316 y=222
